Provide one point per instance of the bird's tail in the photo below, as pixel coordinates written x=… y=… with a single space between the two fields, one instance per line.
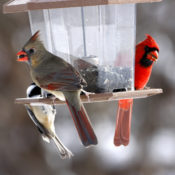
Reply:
x=123 y=122
x=63 y=150
x=81 y=120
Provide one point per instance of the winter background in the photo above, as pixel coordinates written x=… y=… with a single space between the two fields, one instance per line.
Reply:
x=151 y=149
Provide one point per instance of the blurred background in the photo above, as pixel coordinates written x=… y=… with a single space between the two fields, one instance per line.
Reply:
x=151 y=148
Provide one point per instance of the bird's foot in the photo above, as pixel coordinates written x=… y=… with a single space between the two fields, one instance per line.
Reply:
x=44 y=110
x=87 y=93
x=53 y=98
x=146 y=87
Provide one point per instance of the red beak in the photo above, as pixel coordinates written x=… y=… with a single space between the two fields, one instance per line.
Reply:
x=22 y=56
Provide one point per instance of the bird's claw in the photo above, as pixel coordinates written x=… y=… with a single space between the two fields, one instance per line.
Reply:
x=146 y=87
x=53 y=98
x=87 y=94
x=44 y=110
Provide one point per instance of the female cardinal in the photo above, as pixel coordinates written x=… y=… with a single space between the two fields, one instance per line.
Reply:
x=43 y=117
x=146 y=54
x=61 y=79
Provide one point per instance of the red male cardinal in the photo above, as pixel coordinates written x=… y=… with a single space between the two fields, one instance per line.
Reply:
x=58 y=77
x=146 y=54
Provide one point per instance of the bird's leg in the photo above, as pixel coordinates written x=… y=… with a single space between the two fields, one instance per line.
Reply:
x=53 y=105
x=146 y=87
x=54 y=109
x=53 y=98
x=44 y=109
x=87 y=93
x=43 y=93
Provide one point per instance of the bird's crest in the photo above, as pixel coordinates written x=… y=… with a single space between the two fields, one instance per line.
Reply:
x=35 y=36
x=150 y=42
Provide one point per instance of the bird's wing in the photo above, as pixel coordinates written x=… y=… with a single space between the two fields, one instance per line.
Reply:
x=39 y=126
x=65 y=78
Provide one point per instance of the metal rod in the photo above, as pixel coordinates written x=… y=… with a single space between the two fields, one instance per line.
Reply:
x=84 y=32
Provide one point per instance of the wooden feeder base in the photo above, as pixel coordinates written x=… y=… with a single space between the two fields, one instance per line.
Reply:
x=101 y=97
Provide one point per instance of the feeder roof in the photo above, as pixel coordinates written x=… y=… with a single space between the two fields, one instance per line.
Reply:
x=14 y=6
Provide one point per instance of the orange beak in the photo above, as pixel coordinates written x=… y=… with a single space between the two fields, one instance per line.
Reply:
x=153 y=55
x=22 y=56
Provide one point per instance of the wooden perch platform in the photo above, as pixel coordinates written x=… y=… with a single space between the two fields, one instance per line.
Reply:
x=101 y=97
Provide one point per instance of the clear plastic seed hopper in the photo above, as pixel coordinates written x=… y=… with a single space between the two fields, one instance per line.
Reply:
x=96 y=37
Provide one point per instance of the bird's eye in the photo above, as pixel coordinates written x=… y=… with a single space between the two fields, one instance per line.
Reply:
x=31 y=51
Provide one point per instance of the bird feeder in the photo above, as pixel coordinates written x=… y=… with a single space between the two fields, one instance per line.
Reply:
x=96 y=36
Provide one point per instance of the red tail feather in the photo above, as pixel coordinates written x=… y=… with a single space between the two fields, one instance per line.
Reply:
x=123 y=122
x=83 y=125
